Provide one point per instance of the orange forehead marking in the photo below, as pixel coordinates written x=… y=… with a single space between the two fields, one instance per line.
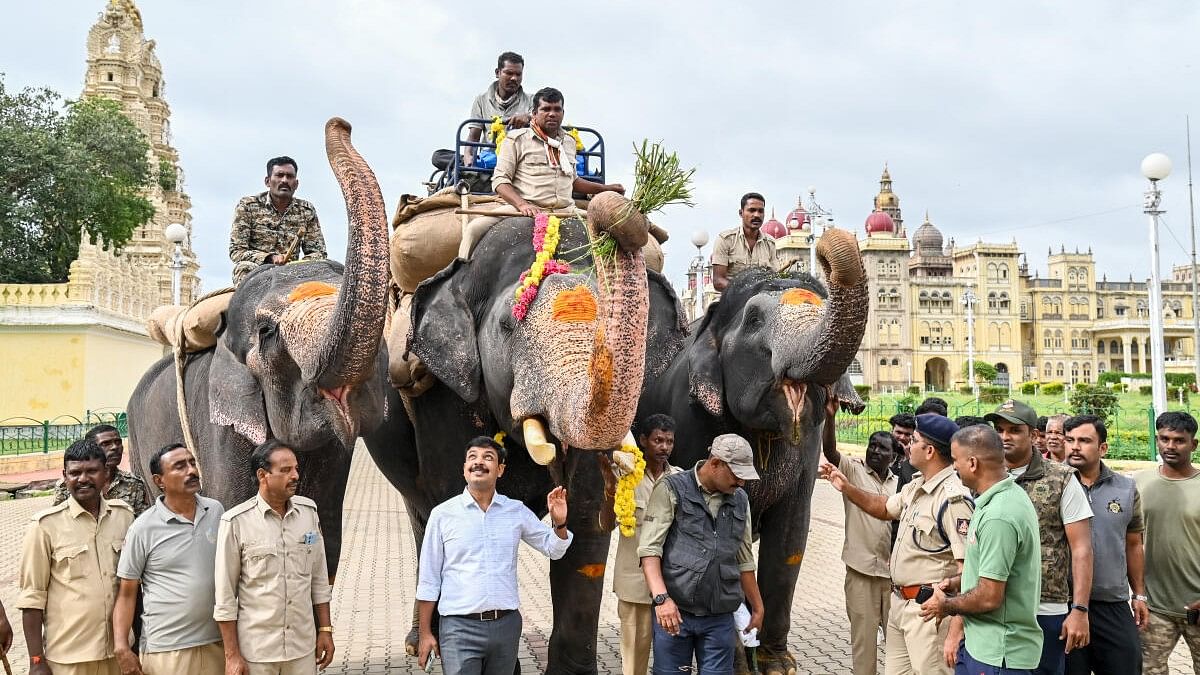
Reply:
x=310 y=289
x=799 y=296
x=795 y=558
x=574 y=305
x=593 y=571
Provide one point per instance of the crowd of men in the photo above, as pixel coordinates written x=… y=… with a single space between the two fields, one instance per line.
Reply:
x=1018 y=549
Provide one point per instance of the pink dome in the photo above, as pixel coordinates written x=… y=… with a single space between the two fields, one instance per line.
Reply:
x=880 y=222
x=798 y=219
x=774 y=228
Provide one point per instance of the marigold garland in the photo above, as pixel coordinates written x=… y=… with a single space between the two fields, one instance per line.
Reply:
x=545 y=244
x=624 y=504
x=574 y=133
x=498 y=134
x=499 y=438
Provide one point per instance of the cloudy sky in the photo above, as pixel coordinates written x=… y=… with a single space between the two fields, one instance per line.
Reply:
x=1005 y=120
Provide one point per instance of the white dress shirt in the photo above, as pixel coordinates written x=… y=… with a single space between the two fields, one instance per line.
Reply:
x=469 y=556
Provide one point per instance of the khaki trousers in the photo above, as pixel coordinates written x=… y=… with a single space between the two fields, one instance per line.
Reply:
x=206 y=659
x=637 y=635
x=305 y=665
x=105 y=667
x=914 y=646
x=867 y=602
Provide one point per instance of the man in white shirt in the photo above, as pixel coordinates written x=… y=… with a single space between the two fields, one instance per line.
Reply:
x=468 y=566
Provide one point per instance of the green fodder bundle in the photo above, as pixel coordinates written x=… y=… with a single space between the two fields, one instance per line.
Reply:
x=658 y=181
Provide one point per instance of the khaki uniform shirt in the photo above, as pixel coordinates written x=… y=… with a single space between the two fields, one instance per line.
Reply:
x=916 y=507
x=260 y=231
x=124 y=486
x=522 y=163
x=270 y=572
x=734 y=252
x=660 y=513
x=69 y=570
x=867 y=547
x=628 y=581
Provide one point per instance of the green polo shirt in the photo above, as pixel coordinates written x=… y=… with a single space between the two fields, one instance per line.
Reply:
x=1003 y=545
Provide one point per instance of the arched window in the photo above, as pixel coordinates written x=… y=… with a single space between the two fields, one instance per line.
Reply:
x=923 y=300
x=1003 y=270
x=1047 y=339
x=1087 y=372
x=894 y=332
x=1058 y=339
x=925 y=334
x=883 y=362
x=1004 y=301
x=895 y=362
x=1100 y=346
x=1074 y=371
x=992 y=272
x=1047 y=370
x=1099 y=308
x=1114 y=347
x=948 y=334
x=1004 y=334
x=1058 y=371
x=1142 y=312
x=1074 y=339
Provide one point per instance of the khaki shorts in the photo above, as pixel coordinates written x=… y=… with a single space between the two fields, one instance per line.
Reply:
x=206 y=659
x=105 y=667
x=305 y=665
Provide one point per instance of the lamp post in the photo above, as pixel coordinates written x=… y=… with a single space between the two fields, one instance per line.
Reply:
x=696 y=272
x=1156 y=167
x=176 y=233
x=968 y=301
x=818 y=217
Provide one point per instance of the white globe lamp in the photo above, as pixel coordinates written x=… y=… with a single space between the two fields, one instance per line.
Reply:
x=1156 y=166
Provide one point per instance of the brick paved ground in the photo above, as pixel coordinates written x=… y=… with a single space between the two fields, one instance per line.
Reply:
x=373 y=599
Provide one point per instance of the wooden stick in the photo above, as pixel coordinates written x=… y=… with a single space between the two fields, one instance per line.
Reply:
x=499 y=213
x=7 y=667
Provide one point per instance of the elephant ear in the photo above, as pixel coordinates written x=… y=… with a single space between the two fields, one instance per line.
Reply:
x=442 y=335
x=235 y=398
x=705 y=382
x=667 y=327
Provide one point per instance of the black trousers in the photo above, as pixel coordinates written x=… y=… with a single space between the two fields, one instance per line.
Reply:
x=1115 y=647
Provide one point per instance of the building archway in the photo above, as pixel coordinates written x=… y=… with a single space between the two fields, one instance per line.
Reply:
x=937 y=374
x=1001 y=375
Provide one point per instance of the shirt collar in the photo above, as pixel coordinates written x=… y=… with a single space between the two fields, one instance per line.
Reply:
x=930 y=484
x=263 y=507
x=167 y=515
x=265 y=199
x=1006 y=483
x=77 y=510
x=468 y=501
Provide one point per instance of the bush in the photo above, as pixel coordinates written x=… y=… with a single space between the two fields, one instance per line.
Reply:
x=914 y=390
x=1145 y=389
x=1120 y=388
x=1181 y=379
x=1173 y=393
x=966 y=389
x=993 y=394
x=908 y=404
x=1052 y=388
x=864 y=391
x=1094 y=400
x=1030 y=388
x=1110 y=377
x=1080 y=386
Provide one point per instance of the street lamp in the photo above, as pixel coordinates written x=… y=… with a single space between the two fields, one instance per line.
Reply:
x=968 y=301
x=696 y=271
x=1156 y=167
x=818 y=217
x=176 y=233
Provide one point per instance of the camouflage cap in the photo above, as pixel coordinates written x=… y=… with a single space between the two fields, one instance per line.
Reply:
x=1014 y=411
x=735 y=451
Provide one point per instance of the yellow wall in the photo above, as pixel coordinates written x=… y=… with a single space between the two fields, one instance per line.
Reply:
x=51 y=371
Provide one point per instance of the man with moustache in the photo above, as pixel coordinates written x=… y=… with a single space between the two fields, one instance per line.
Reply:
x=119 y=484
x=468 y=566
x=170 y=555
x=271 y=580
x=657 y=440
x=1170 y=499
x=1055 y=438
x=745 y=246
x=274 y=227
x=67 y=575
x=504 y=98
x=1118 y=560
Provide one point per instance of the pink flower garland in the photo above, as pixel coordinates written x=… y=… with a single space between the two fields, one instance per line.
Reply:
x=545 y=243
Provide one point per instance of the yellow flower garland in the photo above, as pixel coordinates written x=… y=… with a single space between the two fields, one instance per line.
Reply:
x=536 y=270
x=623 y=503
x=498 y=134
x=574 y=133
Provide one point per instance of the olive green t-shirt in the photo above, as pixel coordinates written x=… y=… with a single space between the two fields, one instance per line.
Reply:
x=1003 y=545
x=1171 y=512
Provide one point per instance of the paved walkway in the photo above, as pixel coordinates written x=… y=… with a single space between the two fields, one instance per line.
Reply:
x=373 y=599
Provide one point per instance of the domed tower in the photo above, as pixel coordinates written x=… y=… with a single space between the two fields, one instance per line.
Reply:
x=930 y=257
x=122 y=66
x=889 y=203
x=879 y=223
x=774 y=228
x=798 y=219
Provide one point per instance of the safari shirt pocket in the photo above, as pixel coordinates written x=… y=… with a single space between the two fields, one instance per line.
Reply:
x=70 y=561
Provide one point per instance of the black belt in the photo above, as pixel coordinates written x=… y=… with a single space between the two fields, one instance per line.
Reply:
x=490 y=615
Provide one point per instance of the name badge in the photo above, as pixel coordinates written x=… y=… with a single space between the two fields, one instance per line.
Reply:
x=310 y=538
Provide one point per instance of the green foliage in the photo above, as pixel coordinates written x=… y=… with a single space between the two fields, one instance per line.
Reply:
x=658 y=179
x=1095 y=400
x=1052 y=388
x=1120 y=388
x=908 y=403
x=966 y=389
x=1030 y=387
x=1081 y=385
x=66 y=169
x=984 y=371
x=993 y=394
x=1173 y=393
x=1110 y=377
x=1181 y=379
x=913 y=390
x=864 y=391
x=168 y=177
x=1146 y=389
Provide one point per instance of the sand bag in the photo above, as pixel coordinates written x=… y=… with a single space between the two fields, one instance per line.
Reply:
x=200 y=322
x=405 y=371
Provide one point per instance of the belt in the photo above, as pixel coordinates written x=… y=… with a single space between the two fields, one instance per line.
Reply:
x=906 y=592
x=490 y=615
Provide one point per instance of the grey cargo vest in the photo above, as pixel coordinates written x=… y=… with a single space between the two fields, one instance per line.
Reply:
x=1112 y=497
x=699 y=562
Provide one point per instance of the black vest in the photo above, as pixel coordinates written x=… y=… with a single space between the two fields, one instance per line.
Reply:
x=699 y=562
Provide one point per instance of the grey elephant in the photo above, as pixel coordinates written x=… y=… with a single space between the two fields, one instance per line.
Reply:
x=300 y=359
x=760 y=363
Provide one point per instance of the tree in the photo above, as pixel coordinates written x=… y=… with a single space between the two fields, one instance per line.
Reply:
x=983 y=371
x=1095 y=400
x=66 y=169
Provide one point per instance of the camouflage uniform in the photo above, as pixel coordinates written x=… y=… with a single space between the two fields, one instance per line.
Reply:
x=259 y=231
x=124 y=486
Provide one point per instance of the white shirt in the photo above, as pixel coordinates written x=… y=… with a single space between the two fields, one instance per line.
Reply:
x=469 y=556
x=1072 y=508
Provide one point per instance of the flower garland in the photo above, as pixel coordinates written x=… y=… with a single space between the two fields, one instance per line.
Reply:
x=574 y=133
x=545 y=244
x=498 y=134
x=623 y=503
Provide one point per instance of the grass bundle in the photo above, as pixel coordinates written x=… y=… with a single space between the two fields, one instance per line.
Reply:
x=658 y=181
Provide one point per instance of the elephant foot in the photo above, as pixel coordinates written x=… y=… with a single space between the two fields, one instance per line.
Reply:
x=410 y=642
x=776 y=662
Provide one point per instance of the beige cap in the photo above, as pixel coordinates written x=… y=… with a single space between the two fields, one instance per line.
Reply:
x=735 y=451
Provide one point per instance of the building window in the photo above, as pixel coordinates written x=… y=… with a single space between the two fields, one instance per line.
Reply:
x=1100 y=347
x=110 y=77
x=1047 y=340
x=1047 y=370
x=1059 y=370
x=1058 y=339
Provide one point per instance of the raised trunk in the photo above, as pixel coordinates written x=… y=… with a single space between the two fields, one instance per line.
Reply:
x=837 y=338
x=351 y=339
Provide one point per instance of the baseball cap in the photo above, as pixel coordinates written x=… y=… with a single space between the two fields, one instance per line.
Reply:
x=735 y=451
x=936 y=429
x=1014 y=411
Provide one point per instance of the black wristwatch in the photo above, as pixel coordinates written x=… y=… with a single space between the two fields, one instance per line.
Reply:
x=1082 y=608
x=660 y=599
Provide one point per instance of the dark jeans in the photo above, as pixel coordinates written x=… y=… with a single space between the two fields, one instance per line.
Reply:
x=1054 y=655
x=967 y=665
x=473 y=646
x=710 y=639
x=1115 y=647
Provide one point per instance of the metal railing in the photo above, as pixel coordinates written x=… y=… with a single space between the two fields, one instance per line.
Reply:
x=23 y=435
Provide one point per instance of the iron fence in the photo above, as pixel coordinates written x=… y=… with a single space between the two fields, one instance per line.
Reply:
x=22 y=435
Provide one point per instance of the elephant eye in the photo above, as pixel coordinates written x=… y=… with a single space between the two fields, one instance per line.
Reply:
x=267 y=332
x=753 y=319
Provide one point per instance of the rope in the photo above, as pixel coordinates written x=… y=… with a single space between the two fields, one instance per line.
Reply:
x=180 y=353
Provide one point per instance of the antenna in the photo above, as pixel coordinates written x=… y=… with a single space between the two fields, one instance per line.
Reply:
x=1195 y=292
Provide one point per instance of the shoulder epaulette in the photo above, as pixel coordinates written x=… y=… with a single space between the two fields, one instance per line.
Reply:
x=238 y=510
x=517 y=133
x=304 y=501
x=46 y=512
x=119 y=504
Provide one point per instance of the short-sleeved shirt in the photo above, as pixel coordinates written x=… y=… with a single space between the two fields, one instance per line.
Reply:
x=1003 y=545
x=124 y=486
x=260 y=231
x=1171 y=510
x=173 y=559
x=524 y=164
x=1072 y=508
x=487 y=105
x=660 y=513
x=270 y=573
x=921 y=555
x=628 y=581
x=735 y=253
x=69 y=571
x=867 y=547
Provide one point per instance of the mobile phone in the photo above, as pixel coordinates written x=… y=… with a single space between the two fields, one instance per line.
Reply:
x=429 y=662
x=924 y=593
x=1193 y=616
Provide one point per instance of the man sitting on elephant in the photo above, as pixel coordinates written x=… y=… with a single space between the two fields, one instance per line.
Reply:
x=273 y=227
x=535 y=169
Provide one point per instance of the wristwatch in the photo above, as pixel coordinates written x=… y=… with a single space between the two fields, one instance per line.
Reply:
x=1082 y=608
x=325 y=629
x=1141 y=598
x=660 y=599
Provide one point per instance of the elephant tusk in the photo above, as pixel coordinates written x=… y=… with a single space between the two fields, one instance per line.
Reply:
x=541 y=450
x=624 y=462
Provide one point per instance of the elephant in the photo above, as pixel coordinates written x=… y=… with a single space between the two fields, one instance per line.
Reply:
x=760 y=363
x=300 y=358
x=573 y=368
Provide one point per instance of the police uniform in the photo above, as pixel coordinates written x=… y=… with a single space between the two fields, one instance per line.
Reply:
x=260 y=231
x=934 y=515
x=69 y=571
x=735 y=253
x=124 y=486
x=270 y=573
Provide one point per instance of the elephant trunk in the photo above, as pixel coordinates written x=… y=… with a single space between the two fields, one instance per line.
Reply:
x=837 y=337
x=351 y=338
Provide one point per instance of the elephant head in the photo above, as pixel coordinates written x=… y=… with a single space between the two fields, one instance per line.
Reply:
x=769 y=338
x=574 y=365
x=299 y=358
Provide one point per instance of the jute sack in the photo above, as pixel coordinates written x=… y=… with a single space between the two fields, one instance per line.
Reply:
x=405 y=371
x=200 y=322
x=426 y=234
